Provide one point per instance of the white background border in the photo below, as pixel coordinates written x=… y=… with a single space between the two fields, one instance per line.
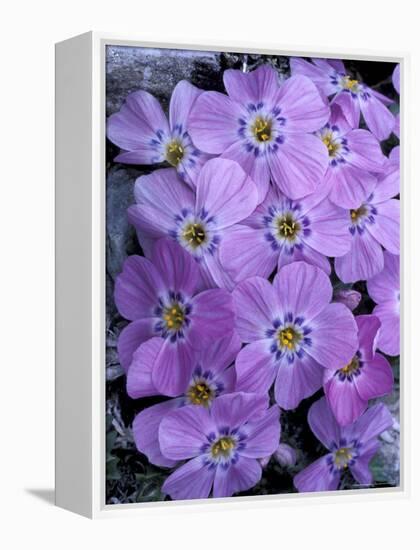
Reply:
x=29 y=31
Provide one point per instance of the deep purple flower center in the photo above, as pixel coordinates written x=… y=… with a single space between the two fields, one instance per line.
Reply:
x=174 y=152
x=223 y=447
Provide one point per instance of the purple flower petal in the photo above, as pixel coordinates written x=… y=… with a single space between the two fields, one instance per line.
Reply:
x=139 y=376
x=299 y=164
x=366 y=153
x=302 y=289
x=364 y=260
x=389 y=185
x=305 y=254
x=173 y=367
x=317 y=477
x=329 y=229
x=333 y=336
x=385 y=286
x=255 y=367
x=182 y=99
x=375 y=379
x=360 y=469
x=240 y=476
x=344 y=400
x=213 y=122
x=296 y=381
x=301 y=105
x=258 y=85
x=245 y=252
x=137 y=288
x=286 y=455
x=183 y=432
x=318 y=74
x=323 y=424
x=396 y=77
x=177 y=267
x=350 y=108
x=386 y=229
x=389 y=334
x=160 y=197
x=378 y=118
x=226 y=192
x=263 y=435
x=234 y=409
x=256 y=305
x=136 y=124
x=368 y=327
x=192 y=480
x=146 y=429
x=349 y=185
x=214 y=274
x=372 y=423
x=220 y=353
x=256 y=167
x=212 y=316
x=131 y=337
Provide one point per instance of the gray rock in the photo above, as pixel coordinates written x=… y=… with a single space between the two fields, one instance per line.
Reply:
x=156 y=71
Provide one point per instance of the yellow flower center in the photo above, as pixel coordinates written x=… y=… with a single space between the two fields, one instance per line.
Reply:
x=330 y=144
x=288 y=227
x=174 y=316
x=262 y=129
x=222 y=447
x=200 y=394
x=358 y=213
x=194 y=234
x=349 y=83
x=342 y=457
x=289 y=338
x=174 y=152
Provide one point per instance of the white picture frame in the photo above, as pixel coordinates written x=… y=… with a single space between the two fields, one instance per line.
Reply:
x=80 y=278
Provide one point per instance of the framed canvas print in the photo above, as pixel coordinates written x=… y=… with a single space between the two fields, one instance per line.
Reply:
x=228 y=274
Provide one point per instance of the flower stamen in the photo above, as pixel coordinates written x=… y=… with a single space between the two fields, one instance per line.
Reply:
x=174 y=152
x=262 y=129
x=200 y=394
x=288 y=338
x=174 y=317
x=330 y=144
x=342 y=457
x=194 y=234
x=223 y=447
x=288 y=227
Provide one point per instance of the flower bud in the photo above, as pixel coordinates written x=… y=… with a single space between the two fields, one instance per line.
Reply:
x=350 y=298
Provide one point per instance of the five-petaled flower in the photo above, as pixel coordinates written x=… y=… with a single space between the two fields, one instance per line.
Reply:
x=266 y=127
x=351 y=447
x=221 y=445
x=294 y=333
x=368 y=375
x=354 y=155
x=281 y=231
x=210 y=374
x=198 y=220
x=353 y=96
x=160 y=297
x=374 y=224
x=146 y=136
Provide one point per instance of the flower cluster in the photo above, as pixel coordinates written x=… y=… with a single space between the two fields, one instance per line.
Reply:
x=277 y=199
